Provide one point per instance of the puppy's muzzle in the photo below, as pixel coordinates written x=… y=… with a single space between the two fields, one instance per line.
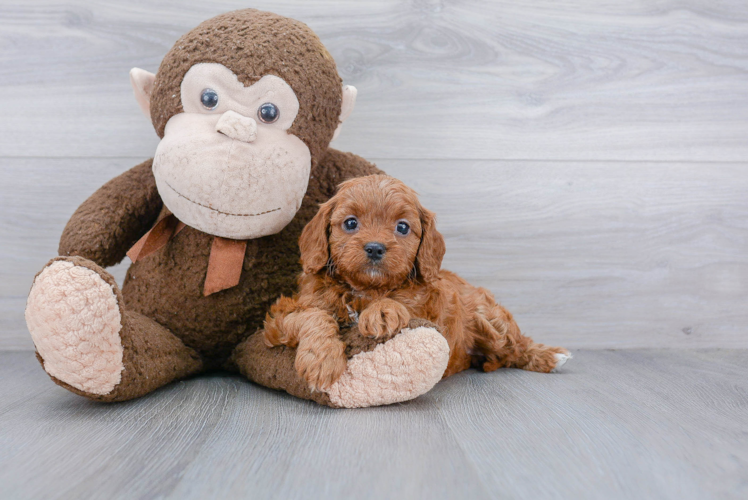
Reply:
x=375 y=251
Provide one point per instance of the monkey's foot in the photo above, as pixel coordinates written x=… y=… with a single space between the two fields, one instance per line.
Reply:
x=74 y=317
x=401 y=369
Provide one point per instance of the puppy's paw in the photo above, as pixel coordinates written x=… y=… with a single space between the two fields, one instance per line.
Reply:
x=561 y=358
x=383 y=319
x=277 y=333
x=280 y=322
x=545 y=359
x=321 y=363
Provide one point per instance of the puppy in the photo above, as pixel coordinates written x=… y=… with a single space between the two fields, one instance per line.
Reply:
x=372 y=255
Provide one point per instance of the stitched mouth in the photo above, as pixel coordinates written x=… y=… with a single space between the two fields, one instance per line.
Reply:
x=219 y=211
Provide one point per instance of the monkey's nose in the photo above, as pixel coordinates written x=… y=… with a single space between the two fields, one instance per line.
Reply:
x=375 y=251
x=237 y=126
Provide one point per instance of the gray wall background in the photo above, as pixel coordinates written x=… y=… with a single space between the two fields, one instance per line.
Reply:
x=587 y=160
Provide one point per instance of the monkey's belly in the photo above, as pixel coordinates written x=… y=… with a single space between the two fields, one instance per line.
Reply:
x=168 y=287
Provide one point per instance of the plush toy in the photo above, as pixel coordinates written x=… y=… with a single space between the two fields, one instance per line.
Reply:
x=245 y=106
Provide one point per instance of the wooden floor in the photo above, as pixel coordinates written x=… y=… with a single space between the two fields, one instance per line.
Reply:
x=588 y=163
x=612 y=424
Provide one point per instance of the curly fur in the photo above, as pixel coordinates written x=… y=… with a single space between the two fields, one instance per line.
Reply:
x=341 y=284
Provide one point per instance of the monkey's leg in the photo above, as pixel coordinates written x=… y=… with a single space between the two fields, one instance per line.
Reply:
x=90 y=344
x=503 y=345
x=400 y=369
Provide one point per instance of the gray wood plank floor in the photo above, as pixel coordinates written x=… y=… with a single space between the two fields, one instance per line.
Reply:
x=588 y=163
x=612 y=424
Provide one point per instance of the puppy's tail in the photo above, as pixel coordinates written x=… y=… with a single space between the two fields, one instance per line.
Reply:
x=501 y=343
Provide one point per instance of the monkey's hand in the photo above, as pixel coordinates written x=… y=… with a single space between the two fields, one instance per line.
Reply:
x=383 y=319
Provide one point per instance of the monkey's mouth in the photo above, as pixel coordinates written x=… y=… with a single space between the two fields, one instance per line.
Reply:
x=216 y=210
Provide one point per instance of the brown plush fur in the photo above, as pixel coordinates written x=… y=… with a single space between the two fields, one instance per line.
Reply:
x=167 y=287
x=143 y=340
x=340 y=280
x=253 y=44
x=170 y=330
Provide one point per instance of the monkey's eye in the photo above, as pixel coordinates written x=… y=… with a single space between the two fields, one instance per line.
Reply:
x=209 y=98
x=268 y=112
x=350 y=224
x=402 y=228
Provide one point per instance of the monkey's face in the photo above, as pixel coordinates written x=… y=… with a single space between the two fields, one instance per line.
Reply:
x=227 y=165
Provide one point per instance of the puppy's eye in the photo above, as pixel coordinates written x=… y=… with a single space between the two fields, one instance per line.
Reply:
x=268 y=113
x=209 y=98
x=350 y=224
x=402 y=228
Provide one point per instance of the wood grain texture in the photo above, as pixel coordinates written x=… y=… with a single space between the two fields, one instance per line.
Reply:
x=599 y=254
x=38 y=198
x=493 y=111
x=664 y=424
x=581 y=79
x=584 y=254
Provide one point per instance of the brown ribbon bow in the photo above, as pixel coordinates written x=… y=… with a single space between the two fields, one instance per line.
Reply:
x=226 y=255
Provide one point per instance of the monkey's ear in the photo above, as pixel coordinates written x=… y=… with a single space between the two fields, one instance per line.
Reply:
x=142 y=85
x=313 y=241
x=432 y=249
x=349 y=100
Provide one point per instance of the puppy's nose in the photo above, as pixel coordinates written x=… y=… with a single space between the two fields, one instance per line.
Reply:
x=375 y=251
x=236 y=126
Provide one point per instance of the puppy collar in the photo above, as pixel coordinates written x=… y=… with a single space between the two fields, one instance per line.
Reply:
x=352 y=314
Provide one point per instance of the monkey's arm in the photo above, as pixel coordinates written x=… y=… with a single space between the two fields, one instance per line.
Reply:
x=109 y=222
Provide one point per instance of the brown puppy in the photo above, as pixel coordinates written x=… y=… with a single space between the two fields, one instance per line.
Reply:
x=372 y=255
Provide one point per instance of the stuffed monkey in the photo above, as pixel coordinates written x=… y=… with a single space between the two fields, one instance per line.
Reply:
x=245 y=105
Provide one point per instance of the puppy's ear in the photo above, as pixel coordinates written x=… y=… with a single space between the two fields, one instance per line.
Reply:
x=313 y=241
x=432 y=249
